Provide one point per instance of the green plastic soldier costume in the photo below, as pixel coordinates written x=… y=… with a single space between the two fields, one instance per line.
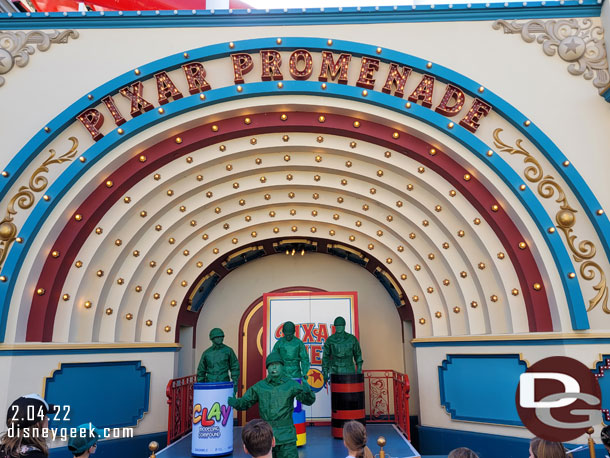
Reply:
x=293 y=353
x=341 y=351
x=217 y=361
x=275 y=396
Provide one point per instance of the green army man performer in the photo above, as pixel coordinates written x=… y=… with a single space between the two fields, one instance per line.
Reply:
x=342 y=354
x=293 y=353
x=275 y=396
x=217 y=361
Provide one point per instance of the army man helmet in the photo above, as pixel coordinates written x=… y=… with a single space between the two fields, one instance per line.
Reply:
x=288 y=328
x=339 y=321
x=273 y=357
x=216 y=332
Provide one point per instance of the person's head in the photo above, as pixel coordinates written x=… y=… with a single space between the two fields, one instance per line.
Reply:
x=26 y=418
x=539 y=448
x=85 y=442
x=217 y=336
x=462 y=452
x=339 y=325
x=288 y=330
x=606 y=437
x=354 y=438
x=257 y=437
x=274 y=364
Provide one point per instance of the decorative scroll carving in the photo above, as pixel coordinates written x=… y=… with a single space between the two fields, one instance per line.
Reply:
x=379 y=397
x=583 y=251
x=24 y=199
x=578 y=42
x=17 y=47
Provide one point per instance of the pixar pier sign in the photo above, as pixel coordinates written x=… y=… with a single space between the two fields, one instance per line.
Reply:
x=369 y=73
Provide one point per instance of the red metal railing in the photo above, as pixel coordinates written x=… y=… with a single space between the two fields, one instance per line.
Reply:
x=179 y=393
x=387 y=393
x=401 y=403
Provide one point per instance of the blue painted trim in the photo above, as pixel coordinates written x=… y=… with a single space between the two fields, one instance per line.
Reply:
x=212 y=385
x=481 y=395
x=606 y=94
x=42 y=209
x=440 y=441
x=298 y=16
x=84 y=351
x=515 y=342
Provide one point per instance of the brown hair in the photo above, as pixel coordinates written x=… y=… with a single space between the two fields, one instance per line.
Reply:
x=462 y=452
x=257 y=437
x=15 y=438
x=546 y=449
x=354 y=436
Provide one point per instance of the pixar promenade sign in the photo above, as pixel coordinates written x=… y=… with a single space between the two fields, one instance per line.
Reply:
x=272 y=65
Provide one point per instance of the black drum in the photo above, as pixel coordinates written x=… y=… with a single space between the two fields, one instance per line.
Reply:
x=347 y=401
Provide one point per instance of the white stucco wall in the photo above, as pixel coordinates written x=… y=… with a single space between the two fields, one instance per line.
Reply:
x=567 y=108
x=22 y=375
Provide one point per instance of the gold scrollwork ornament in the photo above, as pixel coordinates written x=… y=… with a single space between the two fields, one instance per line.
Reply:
x=24 y=198
x=547 y=186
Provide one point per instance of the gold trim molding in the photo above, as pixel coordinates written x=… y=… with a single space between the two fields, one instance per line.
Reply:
x=513 y=337
x=583 y=251
x=24 y=198
x=87 y=346
x=575 y=41
x=17 y=47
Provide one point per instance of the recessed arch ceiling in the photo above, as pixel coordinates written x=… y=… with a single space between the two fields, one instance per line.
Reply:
x=290 y=162
x=70 y=324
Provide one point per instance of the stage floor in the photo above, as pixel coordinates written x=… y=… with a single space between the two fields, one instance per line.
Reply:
x=319 y=444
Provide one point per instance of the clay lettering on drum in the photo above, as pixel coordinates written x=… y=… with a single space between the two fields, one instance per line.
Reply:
x=216 y=414
x=226 y=414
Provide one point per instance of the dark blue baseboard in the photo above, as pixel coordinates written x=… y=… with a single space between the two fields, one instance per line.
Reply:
x=120 y=448
x=439 y=441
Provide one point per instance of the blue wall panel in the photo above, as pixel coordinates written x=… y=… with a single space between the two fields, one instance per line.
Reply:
x=481 y=388
x=108 y=394
x=604 y=383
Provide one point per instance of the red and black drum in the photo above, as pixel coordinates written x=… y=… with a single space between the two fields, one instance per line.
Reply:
x=347 y=401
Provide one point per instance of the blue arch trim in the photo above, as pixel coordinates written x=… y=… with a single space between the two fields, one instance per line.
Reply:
x=308 y=16
x=43 y=208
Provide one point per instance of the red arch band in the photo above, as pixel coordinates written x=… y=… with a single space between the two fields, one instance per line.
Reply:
x=55 y=270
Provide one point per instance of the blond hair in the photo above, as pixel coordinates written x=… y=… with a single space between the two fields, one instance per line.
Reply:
x=15 y=439
x=547 y=449
x=354 y=436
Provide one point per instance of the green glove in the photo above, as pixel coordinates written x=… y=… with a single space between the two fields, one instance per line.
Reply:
x=232 y=401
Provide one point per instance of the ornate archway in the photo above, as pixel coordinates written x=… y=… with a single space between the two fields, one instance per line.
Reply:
x=386 y=175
